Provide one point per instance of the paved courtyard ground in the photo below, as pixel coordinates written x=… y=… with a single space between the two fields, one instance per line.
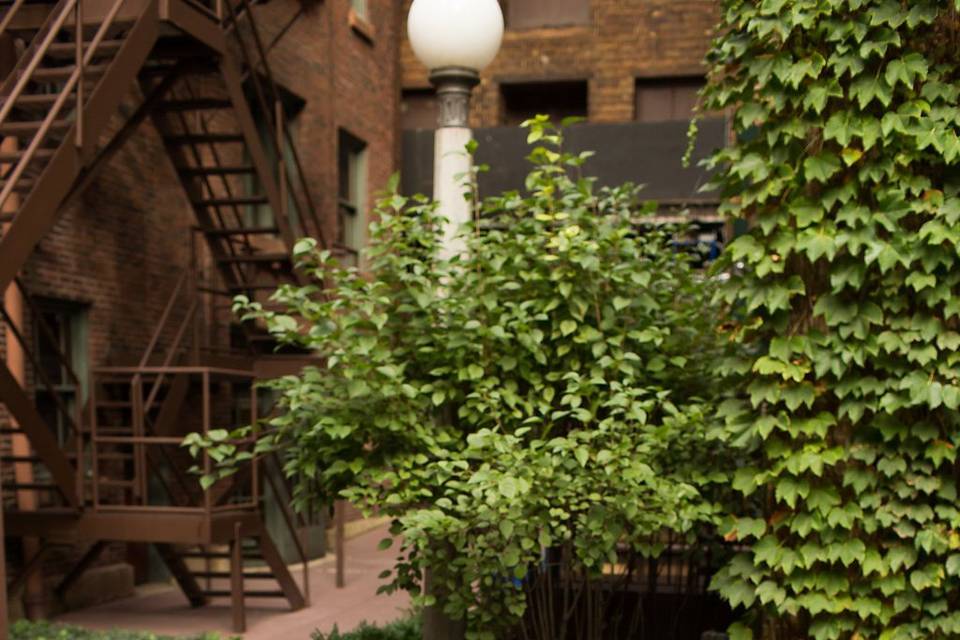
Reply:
x=166 y=611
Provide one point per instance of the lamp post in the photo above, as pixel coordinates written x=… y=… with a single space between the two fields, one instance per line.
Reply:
x=455 y=39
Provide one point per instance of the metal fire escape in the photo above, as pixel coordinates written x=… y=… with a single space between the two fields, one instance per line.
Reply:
x=121 y=475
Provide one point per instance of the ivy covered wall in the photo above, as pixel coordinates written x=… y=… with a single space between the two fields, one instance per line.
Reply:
x=846 y=297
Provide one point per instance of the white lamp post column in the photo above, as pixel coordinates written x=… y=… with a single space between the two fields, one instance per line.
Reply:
x=455 y=39
x=451 y=162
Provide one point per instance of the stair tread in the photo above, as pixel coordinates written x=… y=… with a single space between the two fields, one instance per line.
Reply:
x=223 y=593
x=22 y=185
x=104 y=455
x=219 y=202
x=70 y=48
x=196 y=104
x=252 y=287
x=221 y=170
x=217 y=555
x=206 y=137
x=40 y=99
x=40 y=154
x=64 y=72
x=226 y=574
x=29 y=126
x=110 y=431
x=256 y=257
x=116 y=483
x=31 y=485
x=239 y=231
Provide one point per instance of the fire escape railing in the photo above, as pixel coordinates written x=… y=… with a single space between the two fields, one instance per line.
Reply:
x=18 y=80
x=9 y=15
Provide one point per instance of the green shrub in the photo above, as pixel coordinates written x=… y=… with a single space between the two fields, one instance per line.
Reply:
x=549 y=391
x=406 y=629
x=27 y=630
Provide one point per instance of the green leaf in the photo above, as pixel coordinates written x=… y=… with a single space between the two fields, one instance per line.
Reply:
x=739 y=631
x=582 y=455
x=821 y=167
x=507 y=487
x=906 y=70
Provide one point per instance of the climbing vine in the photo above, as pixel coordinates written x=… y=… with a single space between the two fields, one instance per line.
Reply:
x=845 y=294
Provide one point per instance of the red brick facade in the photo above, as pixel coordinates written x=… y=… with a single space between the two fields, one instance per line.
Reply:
x=625 y=40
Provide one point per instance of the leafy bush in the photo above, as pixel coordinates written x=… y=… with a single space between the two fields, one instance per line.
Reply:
x=848 y=288
x=27 y=630
x=407 y=629
x=546 y=392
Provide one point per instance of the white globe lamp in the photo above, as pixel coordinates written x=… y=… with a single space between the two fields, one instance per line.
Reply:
x=455 y=40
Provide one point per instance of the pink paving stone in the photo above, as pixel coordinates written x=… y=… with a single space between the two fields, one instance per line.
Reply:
x=167 y=612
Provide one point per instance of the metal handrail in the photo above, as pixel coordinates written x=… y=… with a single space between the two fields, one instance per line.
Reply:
x=167 y=310
x=8 y=16
x=172 y=351
x=145 y=465
x=30 y=54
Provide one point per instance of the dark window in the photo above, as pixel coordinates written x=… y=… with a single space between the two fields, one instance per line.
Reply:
x=60 y=335
x=530 y=14
x=558 y=100
x=418 y=109
x=351 y=193
x=360 y=8
x=262 y=215
x=667 y=99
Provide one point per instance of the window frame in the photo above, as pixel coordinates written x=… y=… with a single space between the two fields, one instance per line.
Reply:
x=513 y=24
x=672 y=83
x=73 y=327
x=352 y=158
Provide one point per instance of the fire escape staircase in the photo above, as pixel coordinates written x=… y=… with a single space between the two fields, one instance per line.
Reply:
x=194 y=64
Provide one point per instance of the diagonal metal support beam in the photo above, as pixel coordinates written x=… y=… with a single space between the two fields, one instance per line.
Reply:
x=278 y=568
x=34 y=564
x=41 y=437
x=186 y=580
x=129 y=128
x=77 y=571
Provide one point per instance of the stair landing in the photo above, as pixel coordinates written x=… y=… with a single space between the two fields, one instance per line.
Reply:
x=129 y=524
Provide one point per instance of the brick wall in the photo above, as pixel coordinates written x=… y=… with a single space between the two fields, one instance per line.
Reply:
x=626 y=40
x=348 y=76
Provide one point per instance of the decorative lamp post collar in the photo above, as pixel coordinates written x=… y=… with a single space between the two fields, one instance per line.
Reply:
x=455 y=39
